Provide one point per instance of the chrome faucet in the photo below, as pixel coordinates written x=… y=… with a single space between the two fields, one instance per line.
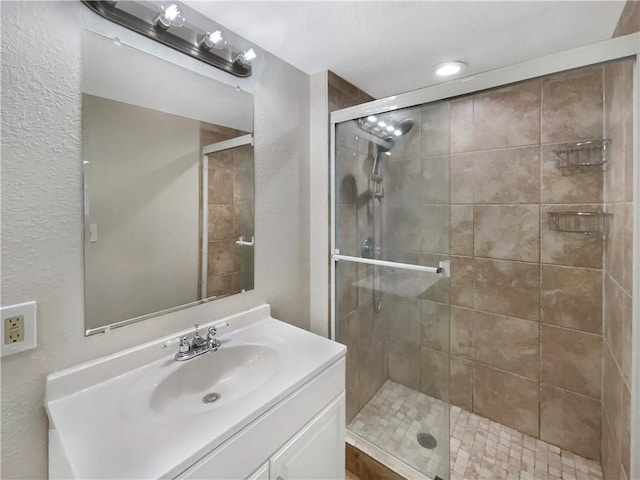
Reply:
x=198 y=345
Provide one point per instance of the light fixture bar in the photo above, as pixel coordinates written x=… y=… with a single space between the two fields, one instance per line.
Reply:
x=223 y=58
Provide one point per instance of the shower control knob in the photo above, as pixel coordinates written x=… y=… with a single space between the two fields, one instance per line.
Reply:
x=368 y=248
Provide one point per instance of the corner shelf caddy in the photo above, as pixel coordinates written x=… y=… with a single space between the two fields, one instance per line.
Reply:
x=589 y=153
x=588 y=223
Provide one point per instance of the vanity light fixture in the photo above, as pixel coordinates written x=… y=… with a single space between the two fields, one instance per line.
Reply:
x=179 y=27
x=447 y=69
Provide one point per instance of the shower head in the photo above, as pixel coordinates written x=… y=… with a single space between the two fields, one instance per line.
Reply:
x=404 y=127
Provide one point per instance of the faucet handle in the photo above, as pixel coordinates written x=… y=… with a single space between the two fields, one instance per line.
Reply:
x=184 y=345
x=214 y=329
x=211 y=338
x=211 y=332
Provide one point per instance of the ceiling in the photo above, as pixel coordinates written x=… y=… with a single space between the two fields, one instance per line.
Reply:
x=389 y=47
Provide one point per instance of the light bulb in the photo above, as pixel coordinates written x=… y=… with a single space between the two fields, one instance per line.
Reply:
x=371 y=118
x=172 y=12
x=169 y=17
x=213 y=40
x=382 y=124
x=397 y=133
x=390 y=128
x=246 y=57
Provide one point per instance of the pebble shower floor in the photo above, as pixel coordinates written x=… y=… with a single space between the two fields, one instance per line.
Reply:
x=480 y=448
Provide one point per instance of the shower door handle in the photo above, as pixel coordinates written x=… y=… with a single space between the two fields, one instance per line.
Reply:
x=443 y=268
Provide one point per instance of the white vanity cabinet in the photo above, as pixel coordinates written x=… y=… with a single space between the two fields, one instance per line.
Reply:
x=279 y=411
x=302 y=437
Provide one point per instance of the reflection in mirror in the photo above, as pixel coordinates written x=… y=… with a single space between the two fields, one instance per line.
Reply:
x=168 y=195
x=228 y=212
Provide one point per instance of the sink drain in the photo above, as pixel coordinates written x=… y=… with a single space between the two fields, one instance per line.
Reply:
x=427 y=440
x=211 y=397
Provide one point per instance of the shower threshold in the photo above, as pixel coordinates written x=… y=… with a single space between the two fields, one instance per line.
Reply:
x=387 y=428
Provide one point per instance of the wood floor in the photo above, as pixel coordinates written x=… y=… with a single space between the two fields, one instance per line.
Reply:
x=351 y=476
x=361 y=466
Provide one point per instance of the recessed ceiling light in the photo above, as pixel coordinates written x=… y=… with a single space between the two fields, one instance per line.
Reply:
x=447 y=69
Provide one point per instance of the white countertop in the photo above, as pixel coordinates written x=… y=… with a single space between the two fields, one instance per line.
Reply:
x=103 y=436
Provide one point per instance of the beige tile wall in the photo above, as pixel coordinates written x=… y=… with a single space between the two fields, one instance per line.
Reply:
x=417 y=230
x=358 y=326
x=618 y=198
x=526 y=328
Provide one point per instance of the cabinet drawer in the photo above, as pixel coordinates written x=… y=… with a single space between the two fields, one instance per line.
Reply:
x=243 y=453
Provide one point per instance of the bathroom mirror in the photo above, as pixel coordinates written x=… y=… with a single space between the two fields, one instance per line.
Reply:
x=168 y=186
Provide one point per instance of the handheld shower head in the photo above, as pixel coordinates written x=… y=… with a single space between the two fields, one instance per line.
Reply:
x=385 y=145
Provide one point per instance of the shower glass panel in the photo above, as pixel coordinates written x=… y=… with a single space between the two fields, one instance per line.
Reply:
x=392 y=205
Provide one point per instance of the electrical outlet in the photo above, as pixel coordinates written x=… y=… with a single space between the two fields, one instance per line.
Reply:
x=18 y=330
x=13 y=329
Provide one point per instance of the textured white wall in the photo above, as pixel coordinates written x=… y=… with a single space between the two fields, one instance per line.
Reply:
x=42 y=207
x=319 y=243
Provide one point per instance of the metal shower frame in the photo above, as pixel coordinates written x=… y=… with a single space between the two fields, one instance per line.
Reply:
x=626 y=47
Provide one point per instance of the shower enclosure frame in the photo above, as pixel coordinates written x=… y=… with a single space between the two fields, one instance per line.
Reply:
x=625 y=47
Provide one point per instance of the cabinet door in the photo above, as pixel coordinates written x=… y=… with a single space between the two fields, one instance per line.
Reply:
x=317 y=451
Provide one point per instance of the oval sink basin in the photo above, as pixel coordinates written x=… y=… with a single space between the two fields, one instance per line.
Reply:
x=211 y=380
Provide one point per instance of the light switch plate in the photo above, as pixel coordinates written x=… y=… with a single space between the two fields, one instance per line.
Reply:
x=18 y=318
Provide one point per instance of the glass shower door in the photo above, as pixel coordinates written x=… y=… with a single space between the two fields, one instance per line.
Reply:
x=391 y=281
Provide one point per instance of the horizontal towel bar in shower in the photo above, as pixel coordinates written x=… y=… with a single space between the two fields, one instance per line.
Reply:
x=443 y=267
x=243 y=242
